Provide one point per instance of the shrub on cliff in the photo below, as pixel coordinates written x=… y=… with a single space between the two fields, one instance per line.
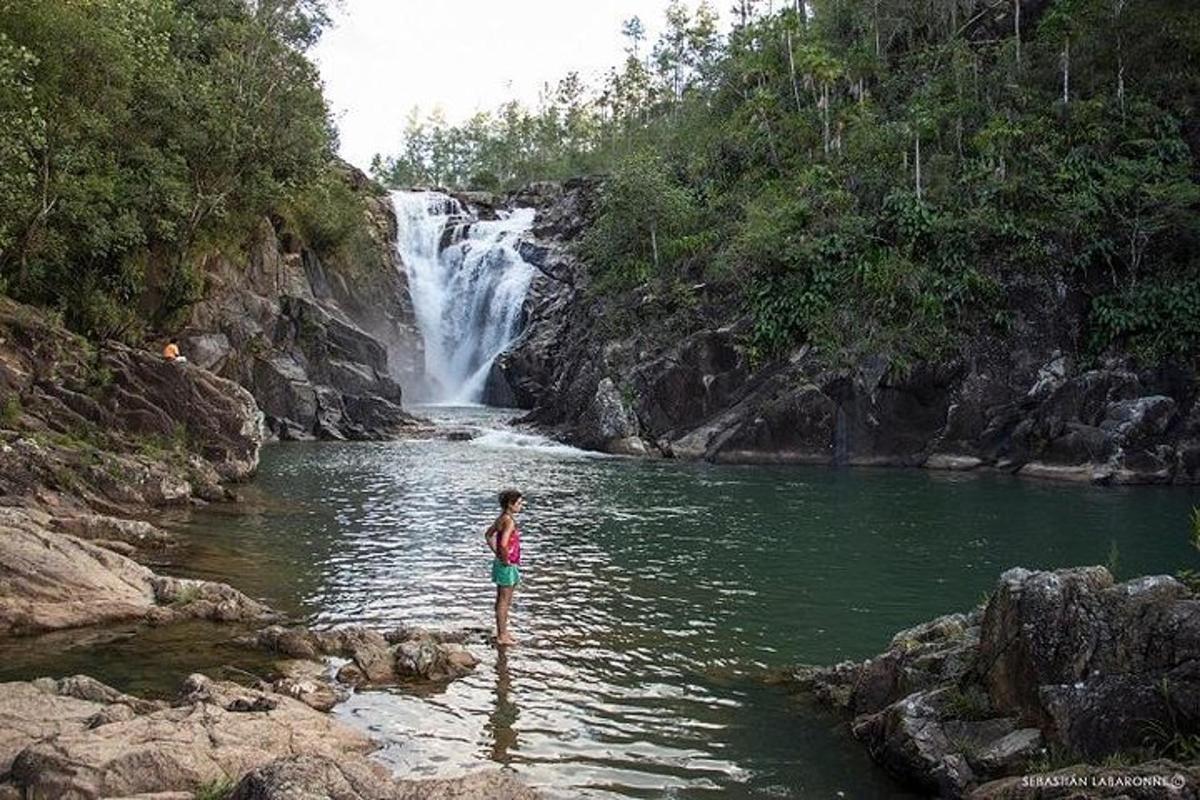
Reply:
x=137 y=133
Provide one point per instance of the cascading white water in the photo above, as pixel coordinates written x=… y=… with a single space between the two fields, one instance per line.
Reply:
x=467 y=282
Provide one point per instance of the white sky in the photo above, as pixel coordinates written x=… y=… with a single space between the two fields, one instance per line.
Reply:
x=382 y=57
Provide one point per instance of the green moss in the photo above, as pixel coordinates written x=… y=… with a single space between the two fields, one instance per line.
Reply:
x=215 y=790
x=10 y=410
x=189 y=594
x=968 y=704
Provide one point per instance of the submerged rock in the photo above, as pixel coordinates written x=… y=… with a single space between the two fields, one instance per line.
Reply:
x=401 y=655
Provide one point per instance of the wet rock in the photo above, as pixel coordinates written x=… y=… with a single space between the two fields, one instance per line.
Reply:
x=932 y=654
x=607 y=418
x=308 y=682
x=400 y=655
x=138 y=533
x=908 y=738
x=432 y=661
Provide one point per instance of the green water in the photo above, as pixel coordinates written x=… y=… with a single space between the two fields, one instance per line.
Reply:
x=655 y=594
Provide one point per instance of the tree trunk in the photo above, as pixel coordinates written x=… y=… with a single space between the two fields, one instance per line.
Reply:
x=1017 y=28
x=877 y=48
x=1118 y=7
x=918 y=166
x=1066 y=70
x=654 y=244
x=825 y=115
x=792 y=69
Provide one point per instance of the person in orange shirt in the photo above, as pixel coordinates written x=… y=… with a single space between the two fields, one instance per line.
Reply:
x=171 y=352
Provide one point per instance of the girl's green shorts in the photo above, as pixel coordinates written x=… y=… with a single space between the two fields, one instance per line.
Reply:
x=505 y=575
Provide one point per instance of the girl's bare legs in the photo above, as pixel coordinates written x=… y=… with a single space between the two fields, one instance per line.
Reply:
x=503 y=601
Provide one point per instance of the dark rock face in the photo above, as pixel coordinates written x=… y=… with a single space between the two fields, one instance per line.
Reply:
x=323 y=346
x=1066 y=659
x=688 y=387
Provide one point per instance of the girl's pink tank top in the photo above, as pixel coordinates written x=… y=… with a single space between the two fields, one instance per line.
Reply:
x=514 y=546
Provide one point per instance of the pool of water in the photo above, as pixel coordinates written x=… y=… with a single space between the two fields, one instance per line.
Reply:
x=655 y=596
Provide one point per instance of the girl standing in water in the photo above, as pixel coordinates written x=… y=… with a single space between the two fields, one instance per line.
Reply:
x=504 y=540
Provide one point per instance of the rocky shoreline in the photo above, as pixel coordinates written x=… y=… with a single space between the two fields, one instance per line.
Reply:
x=95 y=441
x=77 y=739
x=1063 y=684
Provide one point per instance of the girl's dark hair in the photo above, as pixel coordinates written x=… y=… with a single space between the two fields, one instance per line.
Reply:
x=508 y=497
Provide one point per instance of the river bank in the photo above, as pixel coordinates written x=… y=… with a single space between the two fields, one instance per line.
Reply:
x=98 y=443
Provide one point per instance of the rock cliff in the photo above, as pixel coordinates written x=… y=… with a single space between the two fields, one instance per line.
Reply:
x=324 y=345
x=674 y=375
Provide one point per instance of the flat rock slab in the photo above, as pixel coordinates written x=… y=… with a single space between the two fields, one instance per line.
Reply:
x=51 y=581
x=308 y=777
x=216 y=731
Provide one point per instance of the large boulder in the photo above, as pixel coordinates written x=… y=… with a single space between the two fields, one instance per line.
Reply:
x=1101 y=664
x=1066 y=660
x=50 y=581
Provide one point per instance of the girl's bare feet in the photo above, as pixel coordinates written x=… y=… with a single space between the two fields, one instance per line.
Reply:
x=505 y=640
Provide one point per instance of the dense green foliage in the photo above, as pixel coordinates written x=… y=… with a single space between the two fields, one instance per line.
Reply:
x=883 y=175
x=136 y=135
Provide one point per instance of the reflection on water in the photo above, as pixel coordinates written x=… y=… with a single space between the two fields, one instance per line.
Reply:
x=501 y=725
x=654 y=593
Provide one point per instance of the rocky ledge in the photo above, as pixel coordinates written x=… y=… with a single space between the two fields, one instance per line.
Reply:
x=77 y=739
x=51 y=580
x=1065 y=684
x=90 y=438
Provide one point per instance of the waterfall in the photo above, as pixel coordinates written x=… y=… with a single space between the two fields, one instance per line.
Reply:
x=467 y=283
